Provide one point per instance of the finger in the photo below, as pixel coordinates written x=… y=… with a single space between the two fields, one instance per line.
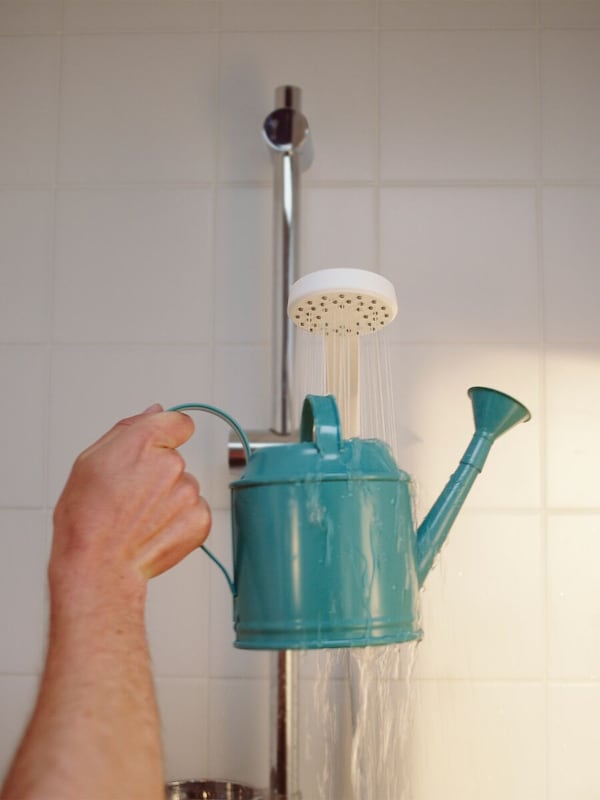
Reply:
x=127 y=422
x=184 y=534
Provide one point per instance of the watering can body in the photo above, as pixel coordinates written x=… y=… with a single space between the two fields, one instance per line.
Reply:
x=325 y=550
x=323 y=543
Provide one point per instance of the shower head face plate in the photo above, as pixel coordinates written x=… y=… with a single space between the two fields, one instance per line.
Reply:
x=350 y=302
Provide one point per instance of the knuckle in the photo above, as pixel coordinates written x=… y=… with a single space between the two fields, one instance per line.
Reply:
x=176 y=463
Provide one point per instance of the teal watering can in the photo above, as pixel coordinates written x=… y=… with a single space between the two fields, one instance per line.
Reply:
x=325 y=552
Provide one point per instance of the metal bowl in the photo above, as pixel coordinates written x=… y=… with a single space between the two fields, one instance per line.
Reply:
x=210 y=790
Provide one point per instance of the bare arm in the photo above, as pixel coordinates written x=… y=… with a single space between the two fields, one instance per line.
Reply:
x=128 y=512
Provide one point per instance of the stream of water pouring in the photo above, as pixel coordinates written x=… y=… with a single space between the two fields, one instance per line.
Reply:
x=378 y=679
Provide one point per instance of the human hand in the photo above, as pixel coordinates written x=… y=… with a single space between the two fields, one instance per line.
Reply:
x=129 y=511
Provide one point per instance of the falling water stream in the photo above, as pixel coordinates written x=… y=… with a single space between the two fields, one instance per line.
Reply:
x=375 y=704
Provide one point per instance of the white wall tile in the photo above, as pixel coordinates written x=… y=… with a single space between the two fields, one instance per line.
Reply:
x=94 y=387
x=474 y=740
x=20 y=17
x=138 y=108
x=239 y=731
x=571 y=280
x=463 y=262
x=338 y=229
x=573 y=732
x=483 y=604
x=17 y=696
x=452 y=15
x=24 y=546
x=26 y=222
x=183 y=708
x=571 y=105
x=253 y=65
x=458 y=105
x=435 y=422
x=270 y=15
x=581 y=14
x=573 y=602
x=29 y=79
x=573 y=426
x=243 y=390
x=177 y=619
x=23 y=401
x=134 y=265
x=244 y=271
x=100 y=16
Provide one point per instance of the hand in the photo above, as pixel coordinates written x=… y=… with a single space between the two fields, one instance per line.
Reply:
x=129 y=511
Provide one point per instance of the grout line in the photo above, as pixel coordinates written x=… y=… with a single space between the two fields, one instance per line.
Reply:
x=314 y=184
x=52 y=270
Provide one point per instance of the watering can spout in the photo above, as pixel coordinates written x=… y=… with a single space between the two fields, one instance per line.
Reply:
x=494 y=413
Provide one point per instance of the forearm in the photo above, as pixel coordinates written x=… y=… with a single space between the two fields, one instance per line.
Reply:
x=94 y=733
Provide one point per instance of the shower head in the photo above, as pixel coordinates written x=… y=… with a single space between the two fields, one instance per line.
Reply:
x=342 y=301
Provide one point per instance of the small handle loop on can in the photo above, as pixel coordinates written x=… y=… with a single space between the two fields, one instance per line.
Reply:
x=217 y=412
x=321 y=422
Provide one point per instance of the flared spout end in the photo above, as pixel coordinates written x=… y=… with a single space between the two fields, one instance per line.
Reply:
x=495 y=412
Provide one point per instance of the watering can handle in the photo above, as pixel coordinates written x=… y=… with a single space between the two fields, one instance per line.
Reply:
x=321 y=420
x=245 y=444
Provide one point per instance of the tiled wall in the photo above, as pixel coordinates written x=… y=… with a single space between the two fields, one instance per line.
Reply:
x=458 y=152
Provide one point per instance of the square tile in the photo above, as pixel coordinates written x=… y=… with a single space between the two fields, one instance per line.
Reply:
x=461 y=15
x=571 y=227
x=458 y=273
x=183 y=707
x=177 y=619
x=573 y=603
x=571 y=105
x=26 y=222
x=94 y=387
x=485 y=739
x=299 y=15
x=573 y=731
x=573 y=426
x=243 y=389
x=435 y=422
x=23 y=403
x=138 y=108
x=581 y=14
x=475 y=627
x=458 y=105
x=251 y=69
x=134 y=266
x=24 y=549
x=22 y=17
x=239 y=730
x=101 y=16
x=244 y=270
x=29 y=78
x=338 y=229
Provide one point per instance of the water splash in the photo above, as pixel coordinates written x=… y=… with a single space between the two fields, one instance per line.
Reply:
x=381 y=700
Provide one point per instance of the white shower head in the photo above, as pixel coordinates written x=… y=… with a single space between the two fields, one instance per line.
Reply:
x=342 y=301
